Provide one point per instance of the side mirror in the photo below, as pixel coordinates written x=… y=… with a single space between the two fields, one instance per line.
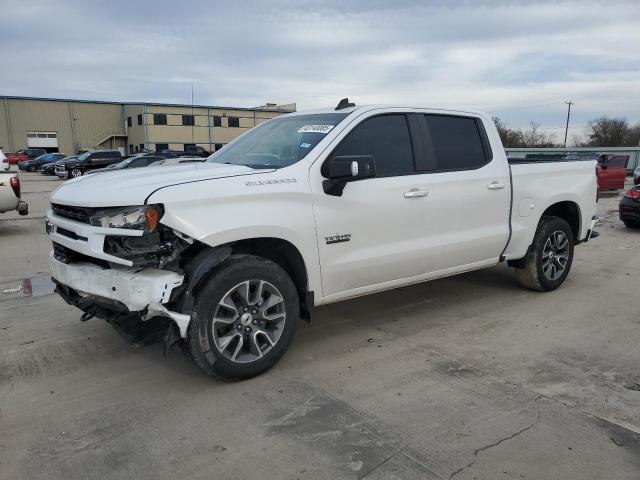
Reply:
x=344 y=169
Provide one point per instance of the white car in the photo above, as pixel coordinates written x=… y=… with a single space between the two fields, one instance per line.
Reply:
x=304 y=210
x=636 y=176
x=10 y=189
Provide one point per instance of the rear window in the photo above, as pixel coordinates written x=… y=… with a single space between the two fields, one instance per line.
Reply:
x=457 y=142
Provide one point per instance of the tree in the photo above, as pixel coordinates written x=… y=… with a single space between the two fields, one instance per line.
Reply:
x=535 y=138
x=608 y=132
x=510 y=138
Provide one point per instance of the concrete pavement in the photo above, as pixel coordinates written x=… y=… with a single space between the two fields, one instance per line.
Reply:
x=465 y=377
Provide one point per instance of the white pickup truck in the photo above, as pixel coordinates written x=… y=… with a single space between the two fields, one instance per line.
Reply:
x=10 y=189
x=303 y=210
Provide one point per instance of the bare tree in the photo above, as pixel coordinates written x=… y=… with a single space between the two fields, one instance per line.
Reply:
x=510 y=138
x=534 y=137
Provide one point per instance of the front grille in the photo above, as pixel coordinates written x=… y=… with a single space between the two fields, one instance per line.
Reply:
x=79 y=214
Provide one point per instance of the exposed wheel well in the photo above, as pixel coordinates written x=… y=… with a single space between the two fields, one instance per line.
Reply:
x=568 y=211
x=277 y=250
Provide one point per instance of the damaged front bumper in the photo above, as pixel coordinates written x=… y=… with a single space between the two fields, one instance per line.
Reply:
x=124 y=297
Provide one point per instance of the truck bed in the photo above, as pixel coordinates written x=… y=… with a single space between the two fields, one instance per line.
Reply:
x=538 y=184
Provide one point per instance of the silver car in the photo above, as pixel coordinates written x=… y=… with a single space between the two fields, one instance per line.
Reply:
x=636 y=176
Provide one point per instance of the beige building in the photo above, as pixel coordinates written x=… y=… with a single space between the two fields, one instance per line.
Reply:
x=70 y=126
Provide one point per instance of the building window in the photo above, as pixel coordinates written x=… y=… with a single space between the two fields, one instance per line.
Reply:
x=217 y=146
x=159 y=119
x=234 y=122
x=162 y=146
x=217 y=121
x=131 y=148
x=188 y=120
x=142 y=146
x=140 y=119
x=129 y=122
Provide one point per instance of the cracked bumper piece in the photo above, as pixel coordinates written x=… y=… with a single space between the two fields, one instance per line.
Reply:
x=135 y=290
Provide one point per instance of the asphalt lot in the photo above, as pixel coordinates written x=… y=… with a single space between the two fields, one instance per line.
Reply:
x=466 y=377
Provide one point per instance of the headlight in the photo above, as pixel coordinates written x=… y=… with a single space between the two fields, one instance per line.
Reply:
x=144 y=217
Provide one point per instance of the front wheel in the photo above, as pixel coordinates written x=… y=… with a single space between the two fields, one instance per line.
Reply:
x=31 y=169
x=76 y=172
x=243 y=318
x=550 y=256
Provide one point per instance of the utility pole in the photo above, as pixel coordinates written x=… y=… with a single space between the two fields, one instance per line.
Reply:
x=193 y=119
x=566 y=130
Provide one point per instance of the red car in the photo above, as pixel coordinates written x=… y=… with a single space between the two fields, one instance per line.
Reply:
x=611 y=171
x=22 y=155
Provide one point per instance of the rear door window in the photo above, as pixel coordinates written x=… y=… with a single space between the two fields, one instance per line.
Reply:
x=456 y=143
x=387 y=139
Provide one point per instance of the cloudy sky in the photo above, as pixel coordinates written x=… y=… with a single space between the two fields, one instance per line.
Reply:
x=519 y=60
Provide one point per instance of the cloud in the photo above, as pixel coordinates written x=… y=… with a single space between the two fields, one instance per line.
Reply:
x=518 y=60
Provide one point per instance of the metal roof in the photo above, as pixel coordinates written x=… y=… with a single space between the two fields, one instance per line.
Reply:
x=182 y=105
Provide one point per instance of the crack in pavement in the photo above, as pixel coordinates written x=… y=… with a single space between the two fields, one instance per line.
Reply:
x=477 y=451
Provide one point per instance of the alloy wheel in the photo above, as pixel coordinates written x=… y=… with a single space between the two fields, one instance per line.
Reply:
x=248 y=321
x=555 y=255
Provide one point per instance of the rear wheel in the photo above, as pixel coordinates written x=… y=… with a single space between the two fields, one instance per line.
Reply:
x=243 y=318
x=31 y=169
x=550 y=256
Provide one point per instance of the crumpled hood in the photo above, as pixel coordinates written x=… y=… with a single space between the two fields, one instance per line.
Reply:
x=133 y=186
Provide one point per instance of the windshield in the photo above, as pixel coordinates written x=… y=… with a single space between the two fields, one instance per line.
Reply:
x=85 y=155
x=280 y=142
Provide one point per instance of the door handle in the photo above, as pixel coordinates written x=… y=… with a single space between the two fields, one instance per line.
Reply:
x=496 y=186
x=415 y=193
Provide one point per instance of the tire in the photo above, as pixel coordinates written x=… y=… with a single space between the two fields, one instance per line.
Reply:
x=629 y=224
x=75 y=173
x=538 y=271
x=31 y=169
x=241 y=346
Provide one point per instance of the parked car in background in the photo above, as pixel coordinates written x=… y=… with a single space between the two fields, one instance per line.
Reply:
x=50 y=168
x=23 y=155
x=37 y=163
x=629 y=208
x=10 y=189
x=636 y=176
x=177 y=161
x=308 y=209
x=91 y=160
x=612 y=171
x=190 y=150
x=135 y=161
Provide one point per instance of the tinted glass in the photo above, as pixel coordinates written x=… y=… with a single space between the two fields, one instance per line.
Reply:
x=138 y=162
x=618 y=161
x=159 y=119
x=280 y=142
x=456 y=141
x=188 y=120
x=387 y=139
x=217 y=121
x=234 y=122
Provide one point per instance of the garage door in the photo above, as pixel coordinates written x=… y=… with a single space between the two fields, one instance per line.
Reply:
x=48 y=140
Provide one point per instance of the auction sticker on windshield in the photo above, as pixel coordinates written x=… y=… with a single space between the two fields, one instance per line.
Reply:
x=315 y=129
